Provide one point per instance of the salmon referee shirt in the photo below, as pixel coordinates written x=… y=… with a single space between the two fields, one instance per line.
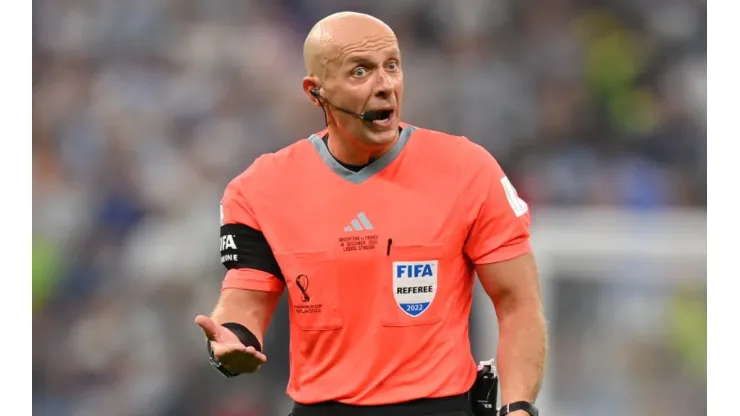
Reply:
x=378 y=264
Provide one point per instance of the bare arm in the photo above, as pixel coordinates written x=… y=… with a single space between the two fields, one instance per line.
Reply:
x=513 y=286
x=251 y=308
x=251 y=288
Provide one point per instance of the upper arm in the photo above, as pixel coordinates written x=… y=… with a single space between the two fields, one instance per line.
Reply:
x=253 y=283
x=500 y=228
x=512 y=283
x=245 y=252
x=498 y=241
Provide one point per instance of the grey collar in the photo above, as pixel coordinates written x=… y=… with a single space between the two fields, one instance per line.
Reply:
x=372 y=168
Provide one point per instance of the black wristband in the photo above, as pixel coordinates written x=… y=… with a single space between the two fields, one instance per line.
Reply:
x=245 y=335
x=521 y=405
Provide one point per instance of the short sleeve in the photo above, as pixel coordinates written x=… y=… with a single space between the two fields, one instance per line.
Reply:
x=500 y=230
x=245 y=252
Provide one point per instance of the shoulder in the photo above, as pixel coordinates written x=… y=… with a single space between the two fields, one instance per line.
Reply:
x=268 y=169
x=471 y=156
x=437 y=138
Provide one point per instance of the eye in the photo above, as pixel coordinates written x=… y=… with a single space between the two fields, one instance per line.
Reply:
x=359 y=72
x=393 y=65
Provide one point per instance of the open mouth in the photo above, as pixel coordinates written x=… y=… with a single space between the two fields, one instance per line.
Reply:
x=384 y=117
x=385 y=114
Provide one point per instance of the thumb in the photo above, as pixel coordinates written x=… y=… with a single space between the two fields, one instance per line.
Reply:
x=209 y=327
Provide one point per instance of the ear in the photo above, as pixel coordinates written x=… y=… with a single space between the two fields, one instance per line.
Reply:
x=310 y=84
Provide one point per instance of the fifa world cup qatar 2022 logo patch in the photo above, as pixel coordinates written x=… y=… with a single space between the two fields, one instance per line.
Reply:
x=415 y=285
x=302 y=282
x=306 y=304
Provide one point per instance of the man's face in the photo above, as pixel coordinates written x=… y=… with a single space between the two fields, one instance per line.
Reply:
x=365 y=75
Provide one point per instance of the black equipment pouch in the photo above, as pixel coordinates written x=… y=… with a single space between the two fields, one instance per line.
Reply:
x=484 y=394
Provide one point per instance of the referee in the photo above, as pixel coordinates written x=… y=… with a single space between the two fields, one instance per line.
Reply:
x=376 y=229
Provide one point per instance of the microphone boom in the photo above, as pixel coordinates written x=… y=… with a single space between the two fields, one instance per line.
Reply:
x=368 y=116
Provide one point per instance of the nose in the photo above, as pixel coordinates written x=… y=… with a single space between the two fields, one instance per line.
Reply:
x=384 y=87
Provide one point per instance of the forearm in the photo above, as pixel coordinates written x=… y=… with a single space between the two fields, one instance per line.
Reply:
x=252 y=309
x=224 y=313
x=522 y=350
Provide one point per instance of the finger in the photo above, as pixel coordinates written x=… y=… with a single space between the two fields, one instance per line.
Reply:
x=253 y=360
x=246 y=353
x=221 y=349
x=209 y=327
x=256 y=354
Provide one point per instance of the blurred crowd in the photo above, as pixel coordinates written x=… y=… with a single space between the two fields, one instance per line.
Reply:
x=145 y=109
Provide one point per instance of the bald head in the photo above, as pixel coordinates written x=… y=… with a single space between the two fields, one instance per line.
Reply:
x=353 y=66
x=337 y=35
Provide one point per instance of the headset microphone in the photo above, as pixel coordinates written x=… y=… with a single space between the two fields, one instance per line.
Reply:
x=368 y=116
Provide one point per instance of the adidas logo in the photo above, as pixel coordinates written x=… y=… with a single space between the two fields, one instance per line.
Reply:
x=359 y=223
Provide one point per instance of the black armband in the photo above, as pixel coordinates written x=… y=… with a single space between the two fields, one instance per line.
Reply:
x=243 y=247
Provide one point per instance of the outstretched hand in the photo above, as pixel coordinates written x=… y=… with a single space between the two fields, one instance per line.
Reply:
x=228 y=349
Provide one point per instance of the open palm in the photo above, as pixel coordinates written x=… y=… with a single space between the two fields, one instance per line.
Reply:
x=228 y=349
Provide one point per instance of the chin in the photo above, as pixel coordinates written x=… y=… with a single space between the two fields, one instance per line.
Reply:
x=382 y=137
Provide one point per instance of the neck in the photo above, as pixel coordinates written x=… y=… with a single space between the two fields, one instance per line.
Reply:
x=352 y=151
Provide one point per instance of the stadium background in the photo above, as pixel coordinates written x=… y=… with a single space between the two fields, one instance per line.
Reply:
x=145 y=109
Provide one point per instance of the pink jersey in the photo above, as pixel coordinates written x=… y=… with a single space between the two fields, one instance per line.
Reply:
x=378 y=263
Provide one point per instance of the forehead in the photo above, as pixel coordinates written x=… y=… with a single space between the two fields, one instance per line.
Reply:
x=358 y=47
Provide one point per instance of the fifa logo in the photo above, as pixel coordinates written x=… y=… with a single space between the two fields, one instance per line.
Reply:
x=414 y=270
x=227 y=242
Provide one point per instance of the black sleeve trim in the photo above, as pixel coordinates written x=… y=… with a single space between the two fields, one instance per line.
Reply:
x=243 y=247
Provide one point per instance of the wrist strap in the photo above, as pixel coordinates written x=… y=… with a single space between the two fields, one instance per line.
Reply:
x=520 y=405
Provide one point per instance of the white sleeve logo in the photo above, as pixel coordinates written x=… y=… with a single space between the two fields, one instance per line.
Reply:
x=517 y=204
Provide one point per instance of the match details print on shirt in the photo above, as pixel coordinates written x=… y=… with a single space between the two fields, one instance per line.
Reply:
x=355 y=238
